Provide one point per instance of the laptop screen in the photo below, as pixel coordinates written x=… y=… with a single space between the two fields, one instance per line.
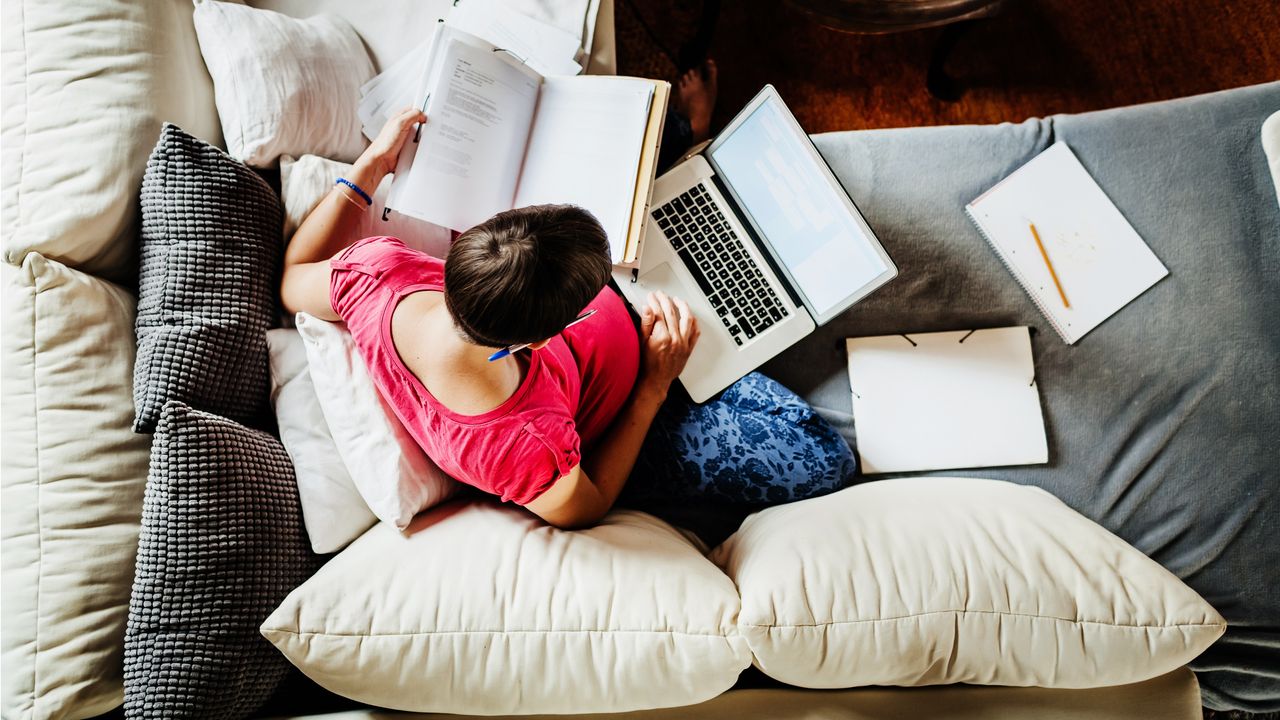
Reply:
x=808 y=221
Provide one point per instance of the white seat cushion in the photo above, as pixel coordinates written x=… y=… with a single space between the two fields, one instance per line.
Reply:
x=922 y=581
x=74 y=473
x=482 y=608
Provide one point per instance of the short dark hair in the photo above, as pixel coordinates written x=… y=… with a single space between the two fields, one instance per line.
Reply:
x=522 y=275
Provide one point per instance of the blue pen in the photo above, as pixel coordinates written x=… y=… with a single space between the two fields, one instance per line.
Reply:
x=417 y=133
x=520 y=346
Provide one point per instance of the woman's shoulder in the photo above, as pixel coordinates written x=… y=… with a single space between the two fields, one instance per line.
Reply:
x=388 y=258
x=376 y=246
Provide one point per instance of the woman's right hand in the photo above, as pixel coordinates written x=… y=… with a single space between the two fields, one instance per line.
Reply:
x=668 y=331
x=382 y=154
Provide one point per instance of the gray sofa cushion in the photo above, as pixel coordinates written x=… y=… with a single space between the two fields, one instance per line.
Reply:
x=1163 y=421
x=222 y=544
x=210 y=266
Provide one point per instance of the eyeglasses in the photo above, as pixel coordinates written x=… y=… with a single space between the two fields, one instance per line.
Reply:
x=520 y=346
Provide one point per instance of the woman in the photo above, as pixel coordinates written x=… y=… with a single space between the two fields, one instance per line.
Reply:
x=557 y=429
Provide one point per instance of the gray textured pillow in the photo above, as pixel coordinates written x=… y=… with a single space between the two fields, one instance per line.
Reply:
x=210 y=266
x=222 y=544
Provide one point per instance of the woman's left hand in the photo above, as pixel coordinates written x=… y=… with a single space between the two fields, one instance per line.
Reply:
x=381 y=156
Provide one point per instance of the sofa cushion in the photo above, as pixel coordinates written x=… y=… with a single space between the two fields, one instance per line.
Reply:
x=304 y=183
x=222 y=543
x=211 y=257
x=482 y=608
x=923 y=581
x=1160 y=421
x=284 y=86
x=70 y=178
x=73 y=474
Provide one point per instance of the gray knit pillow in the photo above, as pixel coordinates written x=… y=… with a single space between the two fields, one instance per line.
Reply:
x=210 y=267
x=222 y=544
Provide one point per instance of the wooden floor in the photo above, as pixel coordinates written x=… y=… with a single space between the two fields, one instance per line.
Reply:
x=1039 y=57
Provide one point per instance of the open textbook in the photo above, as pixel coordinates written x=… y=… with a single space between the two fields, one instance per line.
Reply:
x=501 y=135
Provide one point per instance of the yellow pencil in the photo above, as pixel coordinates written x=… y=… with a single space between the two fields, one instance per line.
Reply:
x=1049 y=265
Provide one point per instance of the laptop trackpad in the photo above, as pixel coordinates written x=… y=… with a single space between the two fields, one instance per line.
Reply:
x=660 y=277
x=713 y=348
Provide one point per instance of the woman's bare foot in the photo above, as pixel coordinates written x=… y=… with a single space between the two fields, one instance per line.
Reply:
x=696 y=98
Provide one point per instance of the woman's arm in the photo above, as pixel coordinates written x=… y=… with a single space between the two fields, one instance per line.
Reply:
x=583 y=496
x=330 y=227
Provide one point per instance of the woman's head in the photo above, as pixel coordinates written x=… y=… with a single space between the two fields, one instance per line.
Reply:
x=522 y=275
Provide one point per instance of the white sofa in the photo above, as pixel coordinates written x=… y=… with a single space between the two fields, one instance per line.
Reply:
x=73 y=471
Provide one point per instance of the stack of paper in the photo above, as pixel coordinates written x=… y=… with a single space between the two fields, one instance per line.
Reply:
x=546 y=49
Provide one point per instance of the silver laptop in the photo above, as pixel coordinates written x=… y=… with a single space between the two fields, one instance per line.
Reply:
x=756 y=234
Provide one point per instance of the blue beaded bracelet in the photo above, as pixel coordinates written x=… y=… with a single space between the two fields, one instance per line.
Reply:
x=343 y=181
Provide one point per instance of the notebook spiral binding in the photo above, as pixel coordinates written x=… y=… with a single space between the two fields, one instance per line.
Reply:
x=1026 y=287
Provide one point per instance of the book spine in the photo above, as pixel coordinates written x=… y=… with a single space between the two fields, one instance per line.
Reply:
x=1013 y=270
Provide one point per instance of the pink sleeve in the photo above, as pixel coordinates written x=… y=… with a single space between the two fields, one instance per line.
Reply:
x=544 y=450
x=354 y=273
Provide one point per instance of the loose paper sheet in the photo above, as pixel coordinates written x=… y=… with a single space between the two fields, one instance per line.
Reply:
x=943 y=401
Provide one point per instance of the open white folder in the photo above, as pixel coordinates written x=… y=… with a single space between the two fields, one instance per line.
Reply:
x=948 y=400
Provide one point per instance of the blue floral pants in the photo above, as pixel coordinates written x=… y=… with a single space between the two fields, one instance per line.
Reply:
x=755 y=444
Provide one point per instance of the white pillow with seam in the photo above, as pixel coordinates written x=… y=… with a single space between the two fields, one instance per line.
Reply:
x=932 y=580
x=390 y=471
x=333 y=511
x=283 y=85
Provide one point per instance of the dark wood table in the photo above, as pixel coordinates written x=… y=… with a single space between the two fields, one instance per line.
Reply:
x=890 y=16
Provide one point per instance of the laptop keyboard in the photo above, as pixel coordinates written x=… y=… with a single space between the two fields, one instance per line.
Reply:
x=715 y=256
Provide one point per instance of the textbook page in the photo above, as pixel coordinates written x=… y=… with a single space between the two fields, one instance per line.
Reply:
x=464 y=165
x=584 y=149
x=396 y=88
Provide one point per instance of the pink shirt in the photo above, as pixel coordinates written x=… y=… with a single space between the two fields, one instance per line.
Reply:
x=572 y=391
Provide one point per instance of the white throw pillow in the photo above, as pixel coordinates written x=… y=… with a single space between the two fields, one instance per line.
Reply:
x=1271 y=146
x=283 y=86
x=394 y=476
x=332 y=509
x=482 y=608
x=73 y=477
x=305 y=181
x=923 y=581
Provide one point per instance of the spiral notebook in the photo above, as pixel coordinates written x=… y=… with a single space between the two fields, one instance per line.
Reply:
x=1100 y=262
